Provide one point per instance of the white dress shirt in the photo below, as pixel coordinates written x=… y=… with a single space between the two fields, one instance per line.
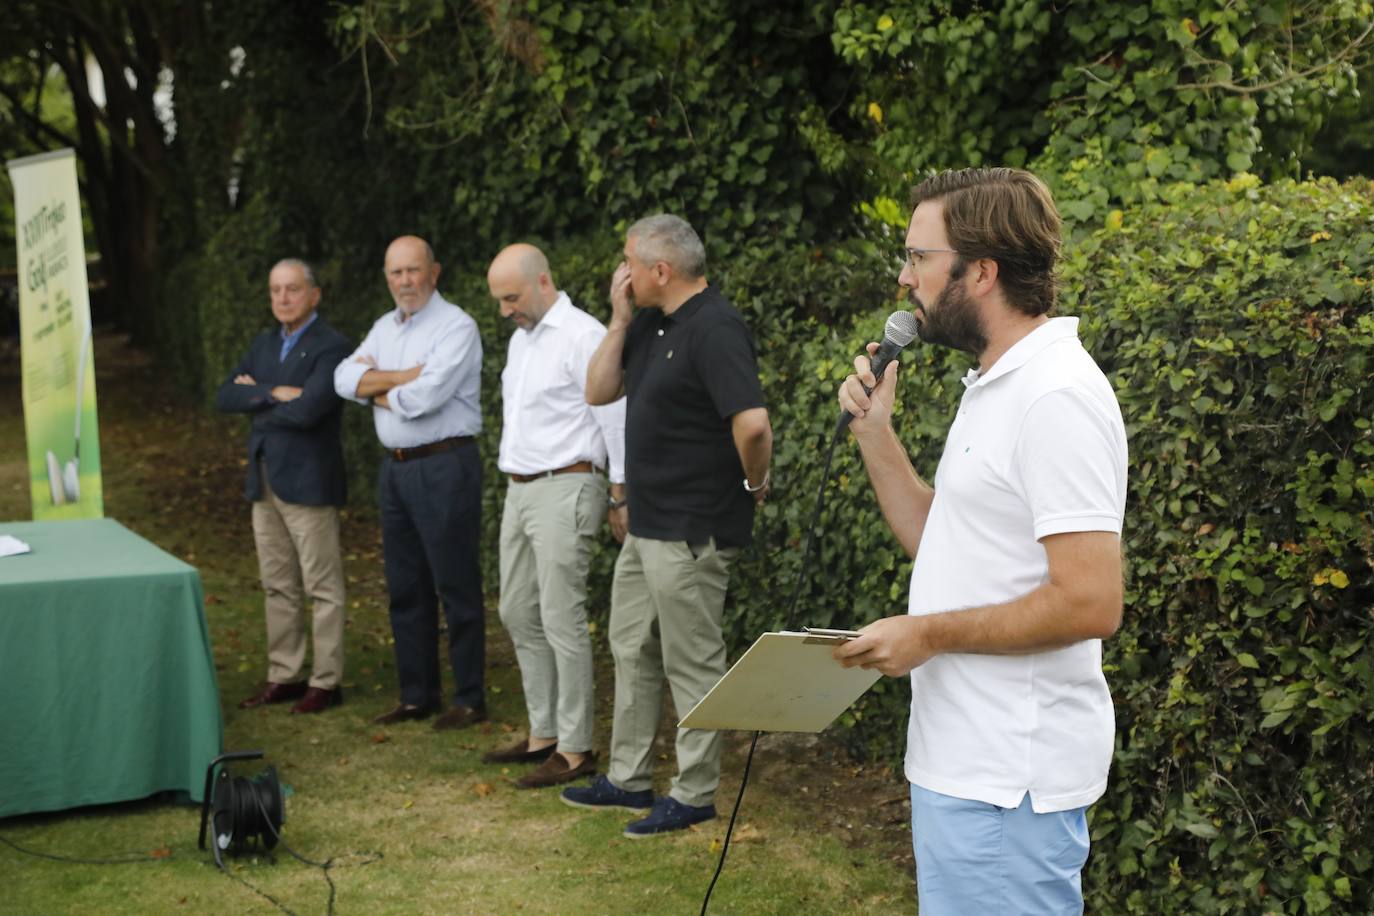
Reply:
x=444 y=400
x=548 y=423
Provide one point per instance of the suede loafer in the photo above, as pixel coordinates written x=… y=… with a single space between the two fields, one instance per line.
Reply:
x=403 y=713
x=272 y=692
x=459 y=717
x=555 y=771
x=519 y=753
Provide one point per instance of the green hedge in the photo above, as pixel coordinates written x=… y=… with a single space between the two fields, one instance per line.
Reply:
x=1236 y=325
x=1235 y=322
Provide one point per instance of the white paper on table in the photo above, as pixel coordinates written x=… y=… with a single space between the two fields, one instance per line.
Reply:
x=11 y=546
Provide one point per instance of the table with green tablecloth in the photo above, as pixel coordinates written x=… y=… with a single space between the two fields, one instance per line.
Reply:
x=107 y=681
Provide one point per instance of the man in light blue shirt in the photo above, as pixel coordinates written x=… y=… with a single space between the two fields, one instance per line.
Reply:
x=420 y=370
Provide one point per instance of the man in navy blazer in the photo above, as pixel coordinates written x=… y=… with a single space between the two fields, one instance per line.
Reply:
x=296 y=482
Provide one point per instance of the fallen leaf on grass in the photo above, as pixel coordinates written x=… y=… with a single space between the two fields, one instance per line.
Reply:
x=380 y=738
x=410 y=803
x=483 y=789
x=212 y=599
x=748 y=833
x=343 y=761
x=162 y=852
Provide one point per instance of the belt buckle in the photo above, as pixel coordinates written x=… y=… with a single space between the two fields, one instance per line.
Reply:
x=399 y=454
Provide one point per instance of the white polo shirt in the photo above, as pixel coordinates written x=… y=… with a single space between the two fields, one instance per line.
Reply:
x=1038 y=448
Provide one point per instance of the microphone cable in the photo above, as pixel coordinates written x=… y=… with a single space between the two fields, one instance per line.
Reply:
x=791 y=624
x=900 y=330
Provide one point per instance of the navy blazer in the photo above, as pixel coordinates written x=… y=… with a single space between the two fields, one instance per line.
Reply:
x=298 y=440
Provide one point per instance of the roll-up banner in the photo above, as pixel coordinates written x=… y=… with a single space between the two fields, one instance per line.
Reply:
x=55 y=339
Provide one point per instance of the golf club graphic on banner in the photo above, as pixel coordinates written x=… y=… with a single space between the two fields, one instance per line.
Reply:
x=55 y=339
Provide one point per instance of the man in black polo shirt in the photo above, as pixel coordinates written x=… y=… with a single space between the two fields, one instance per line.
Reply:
x=697 y=447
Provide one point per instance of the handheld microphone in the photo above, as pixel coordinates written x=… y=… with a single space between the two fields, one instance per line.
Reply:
x=899 y=331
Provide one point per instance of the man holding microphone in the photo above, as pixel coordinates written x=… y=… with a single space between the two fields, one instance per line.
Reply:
x=1018 y=574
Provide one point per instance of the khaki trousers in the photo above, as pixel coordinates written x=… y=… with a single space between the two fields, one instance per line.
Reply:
x=667 y=599
x=298 y=557
x=546 y=545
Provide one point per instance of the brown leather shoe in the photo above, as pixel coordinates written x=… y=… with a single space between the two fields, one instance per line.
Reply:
x=459 y=717
x=519 y=752
x=403 y=713
x=556 y=771
x=318 y=699
x=272 y=692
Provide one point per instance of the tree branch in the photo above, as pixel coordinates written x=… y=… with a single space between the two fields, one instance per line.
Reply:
x=1253 y=88
x=36 y=125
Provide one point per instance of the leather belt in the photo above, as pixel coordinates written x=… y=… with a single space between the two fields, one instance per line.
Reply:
x=580 y=467
x=424 y=451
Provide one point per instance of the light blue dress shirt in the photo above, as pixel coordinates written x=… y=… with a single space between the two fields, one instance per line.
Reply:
x=444 y=401
x=290 y=338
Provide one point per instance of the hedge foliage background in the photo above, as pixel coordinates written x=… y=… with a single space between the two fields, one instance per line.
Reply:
x=1225 y=290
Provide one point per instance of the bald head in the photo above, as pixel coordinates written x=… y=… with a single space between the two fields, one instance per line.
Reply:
x=520 y=283
x=411 y=272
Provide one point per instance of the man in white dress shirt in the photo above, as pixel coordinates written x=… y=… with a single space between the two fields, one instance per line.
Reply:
x=554 y=447
x=420 y=370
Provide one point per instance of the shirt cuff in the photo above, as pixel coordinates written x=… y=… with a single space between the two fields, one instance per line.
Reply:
x=346 y=379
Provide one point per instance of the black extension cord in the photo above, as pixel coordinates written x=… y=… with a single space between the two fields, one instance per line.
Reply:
x=791 y=625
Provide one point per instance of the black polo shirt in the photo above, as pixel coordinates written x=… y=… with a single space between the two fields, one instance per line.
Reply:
x=686 y=375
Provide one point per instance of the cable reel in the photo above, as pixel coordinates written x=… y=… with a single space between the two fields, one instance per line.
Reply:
x=243 y=814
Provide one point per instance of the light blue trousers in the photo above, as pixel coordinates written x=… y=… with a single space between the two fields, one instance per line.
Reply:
x=975 y=858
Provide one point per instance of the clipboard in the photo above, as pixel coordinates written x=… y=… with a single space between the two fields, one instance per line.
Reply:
x=786 y=682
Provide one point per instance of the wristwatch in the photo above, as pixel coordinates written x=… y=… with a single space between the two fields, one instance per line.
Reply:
x=616 y=503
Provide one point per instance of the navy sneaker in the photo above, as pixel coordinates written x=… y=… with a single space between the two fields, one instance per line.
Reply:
x=605 y=794
x=668 y=815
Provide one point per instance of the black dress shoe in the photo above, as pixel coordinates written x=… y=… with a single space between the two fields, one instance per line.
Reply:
x=274 y=693
x=318 y=699
x=403 y=713
x=460 y=717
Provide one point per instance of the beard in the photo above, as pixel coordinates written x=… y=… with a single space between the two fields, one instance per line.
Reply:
x=953 y=321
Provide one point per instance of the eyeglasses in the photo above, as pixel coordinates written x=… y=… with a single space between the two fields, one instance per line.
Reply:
x=914 y=256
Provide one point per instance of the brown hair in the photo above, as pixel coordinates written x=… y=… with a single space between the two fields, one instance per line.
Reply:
x=1005 y=215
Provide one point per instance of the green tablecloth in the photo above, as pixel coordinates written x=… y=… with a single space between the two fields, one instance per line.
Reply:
x=107 y=681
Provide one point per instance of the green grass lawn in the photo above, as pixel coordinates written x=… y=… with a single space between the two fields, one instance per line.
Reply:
x=411 y=819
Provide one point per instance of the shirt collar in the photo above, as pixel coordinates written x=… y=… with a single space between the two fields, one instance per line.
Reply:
x=293 y=336
x=689 y=308
x=557 y=313
x=399 y=316
x=1025 y=349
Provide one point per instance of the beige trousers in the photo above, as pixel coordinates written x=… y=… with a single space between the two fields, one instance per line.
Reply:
x=667 y=600
x=298 y=557
x=546 y=545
